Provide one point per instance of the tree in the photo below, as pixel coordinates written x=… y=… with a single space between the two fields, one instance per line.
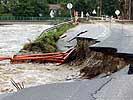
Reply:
x=34 y=8
x=110 y=6
x=85 y=5
x=52 y=1
x=58 y=1
x=3 y=6
x=40 y=7
x=1 y=9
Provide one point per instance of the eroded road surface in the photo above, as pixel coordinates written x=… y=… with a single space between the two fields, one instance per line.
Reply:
x=117 y=86
x=96 y=31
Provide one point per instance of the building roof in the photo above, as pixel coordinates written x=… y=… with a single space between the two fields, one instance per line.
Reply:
x=55 y=6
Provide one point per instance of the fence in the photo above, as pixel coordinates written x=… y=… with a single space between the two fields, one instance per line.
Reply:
x=54 y=27
x=20 y=18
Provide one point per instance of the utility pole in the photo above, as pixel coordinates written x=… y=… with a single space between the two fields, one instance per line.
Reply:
x=130 y=6
x=100 y=4
x=131 y=9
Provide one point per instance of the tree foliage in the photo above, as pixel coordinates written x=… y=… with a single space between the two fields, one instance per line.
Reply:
x=85 y=5
x=38 y=8
x=26 y=7
x=1 y=9
x=30 y=8
x=110 y=6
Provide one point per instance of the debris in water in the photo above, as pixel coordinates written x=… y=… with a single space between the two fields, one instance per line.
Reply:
x=17 y=85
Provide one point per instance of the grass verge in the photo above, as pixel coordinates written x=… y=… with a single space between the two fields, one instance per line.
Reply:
x=47 y=42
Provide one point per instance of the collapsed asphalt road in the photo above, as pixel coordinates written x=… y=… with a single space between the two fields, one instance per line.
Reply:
x=117 y=86
x=97 y=31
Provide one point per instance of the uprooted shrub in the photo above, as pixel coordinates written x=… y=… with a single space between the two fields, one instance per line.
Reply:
x=47 y=42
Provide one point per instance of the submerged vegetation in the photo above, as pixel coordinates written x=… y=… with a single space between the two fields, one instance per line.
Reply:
x=47 y=42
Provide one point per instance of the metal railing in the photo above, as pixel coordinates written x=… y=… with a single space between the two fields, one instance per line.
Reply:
x=20 y=18
x=54 y=27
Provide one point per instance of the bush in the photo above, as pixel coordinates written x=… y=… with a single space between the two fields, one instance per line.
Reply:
x=47 y=42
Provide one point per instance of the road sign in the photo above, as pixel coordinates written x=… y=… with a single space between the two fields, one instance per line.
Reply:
x=117 y=12
x=87 y=14
x=94 y=12
x=52 y=14
x=69 y=5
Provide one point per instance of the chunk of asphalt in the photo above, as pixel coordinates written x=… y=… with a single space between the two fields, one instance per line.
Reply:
x=77 y=35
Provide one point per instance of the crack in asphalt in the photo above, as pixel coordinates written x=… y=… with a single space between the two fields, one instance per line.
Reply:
x=100 y=89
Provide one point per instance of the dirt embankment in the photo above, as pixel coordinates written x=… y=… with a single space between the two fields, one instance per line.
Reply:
x=96 y=62
x=47 y=42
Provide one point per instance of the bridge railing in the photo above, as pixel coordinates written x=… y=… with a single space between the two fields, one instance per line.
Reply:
x=20 y=18
x=54 y=27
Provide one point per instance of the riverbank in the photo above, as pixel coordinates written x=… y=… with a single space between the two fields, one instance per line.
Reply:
x=22 y=22
x=46 y=43
x=46 y=22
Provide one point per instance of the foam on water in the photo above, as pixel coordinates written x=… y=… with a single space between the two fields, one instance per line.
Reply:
x=12 y=39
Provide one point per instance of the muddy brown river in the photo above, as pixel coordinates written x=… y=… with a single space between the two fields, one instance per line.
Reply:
x=12 y=39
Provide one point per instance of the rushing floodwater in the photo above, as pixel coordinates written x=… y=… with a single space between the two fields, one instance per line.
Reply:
x=12 y=39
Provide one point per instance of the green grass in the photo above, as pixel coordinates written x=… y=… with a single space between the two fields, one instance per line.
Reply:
x=47 y=42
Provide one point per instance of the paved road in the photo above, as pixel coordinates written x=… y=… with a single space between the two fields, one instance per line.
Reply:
x=96 y=31
x=121 y=39
x=78 y=90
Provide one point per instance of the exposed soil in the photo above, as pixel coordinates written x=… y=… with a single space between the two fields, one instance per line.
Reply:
x=95 y=62
x=98 y=63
